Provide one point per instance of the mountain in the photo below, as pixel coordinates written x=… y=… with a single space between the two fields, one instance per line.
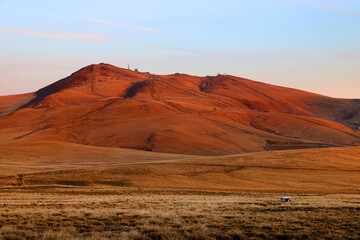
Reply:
x=103 y=105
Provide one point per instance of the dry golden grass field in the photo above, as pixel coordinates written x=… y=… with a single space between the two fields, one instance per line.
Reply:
x=129 y=213
x=178 y=196
x=330 y=170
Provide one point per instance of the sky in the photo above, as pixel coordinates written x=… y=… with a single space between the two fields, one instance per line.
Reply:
x=303 y=44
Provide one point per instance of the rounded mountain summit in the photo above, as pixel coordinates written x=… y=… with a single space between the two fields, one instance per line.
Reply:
x=103 y=105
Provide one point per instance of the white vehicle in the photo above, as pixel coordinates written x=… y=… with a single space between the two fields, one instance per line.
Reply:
x=285 y=199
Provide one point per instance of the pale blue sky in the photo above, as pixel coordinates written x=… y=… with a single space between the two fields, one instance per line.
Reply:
x=310 y=45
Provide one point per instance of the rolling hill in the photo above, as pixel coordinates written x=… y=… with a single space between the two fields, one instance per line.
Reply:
x=53 y=164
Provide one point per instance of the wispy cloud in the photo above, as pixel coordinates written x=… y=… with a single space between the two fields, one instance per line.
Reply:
x=178 y=49
x=337 y=6
x=68 y=36
x=347 y=54
x=119 y=25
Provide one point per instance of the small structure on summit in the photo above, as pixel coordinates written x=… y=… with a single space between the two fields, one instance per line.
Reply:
x=285 y=199
x=136 y=70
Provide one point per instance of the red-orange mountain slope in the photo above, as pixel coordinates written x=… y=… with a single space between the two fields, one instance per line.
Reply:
x=103 y=105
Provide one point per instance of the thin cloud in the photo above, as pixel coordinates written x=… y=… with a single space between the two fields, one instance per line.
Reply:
x=336 y=7
x=348 y=54
x=177 y=49
x=341 y=10
x=119 y=25
x=68 y=36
